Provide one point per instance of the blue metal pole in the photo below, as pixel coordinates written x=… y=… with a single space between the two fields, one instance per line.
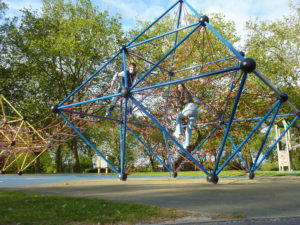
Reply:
x=169 y=135
x=238 y=55
x=265 y=137
x=175 y=42
x=228 y=96
x=183 y=70
x=124 y=68
x=123 y=136
x=234 y=148
x=90 y=78
x=224 y=127
x=223 y=115
x=149 y=149
x=89 y=101
x=258 y=118
x=248 y=119
x=162 y=35
x=230 y=122
x=140 y=34
x=169 y=87
x=248 y=137
x=204 y=64
x=275 y=143
x=187 y=79
x=207 y=137
x=88 y=142
x=165 y=56
x=123 y=124
x=108 y=118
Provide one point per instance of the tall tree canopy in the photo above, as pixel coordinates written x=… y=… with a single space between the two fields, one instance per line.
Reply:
x=51 y=52
x=276 y=47
x=46 y=54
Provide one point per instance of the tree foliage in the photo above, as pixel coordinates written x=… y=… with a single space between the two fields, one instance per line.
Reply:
x=51 y=52
x=275 y=45
x=46 y=54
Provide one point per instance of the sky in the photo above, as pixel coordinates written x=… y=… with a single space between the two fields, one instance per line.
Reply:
x=238 y=11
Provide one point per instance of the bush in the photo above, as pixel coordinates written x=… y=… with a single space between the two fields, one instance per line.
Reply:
x=269 y=166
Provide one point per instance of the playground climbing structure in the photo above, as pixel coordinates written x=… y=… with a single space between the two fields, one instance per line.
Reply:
x=22 y=143
x=238 y=105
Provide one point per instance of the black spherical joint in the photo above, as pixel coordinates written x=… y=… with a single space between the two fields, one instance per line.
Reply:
x=248 y=65
x=283 y=97
x=123 y=177
x=123 y=48
x=24 y=118
x=298 y=113
x=212 y=178
x=19 y=173
x=125 y=92
x=174 y=174
x=251 y=175
x=171 y=73
x=54 y=109
x=13 y=143
x=204 y=19
x=242 y=53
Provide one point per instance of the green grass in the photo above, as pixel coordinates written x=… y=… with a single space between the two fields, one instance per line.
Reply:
x=21 y=208
x=223 y=173
x=276 y=173
x=192 y=173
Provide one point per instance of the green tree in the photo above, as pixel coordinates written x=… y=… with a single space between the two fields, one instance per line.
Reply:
x=62 y=45
x=275 y=45
x=3 y=26
x=52 y=51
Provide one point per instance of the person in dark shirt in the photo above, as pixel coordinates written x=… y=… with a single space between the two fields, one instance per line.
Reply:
x=119 y=77
x=187 y=109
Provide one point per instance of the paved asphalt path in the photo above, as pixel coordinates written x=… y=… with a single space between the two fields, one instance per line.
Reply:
x=261 y=201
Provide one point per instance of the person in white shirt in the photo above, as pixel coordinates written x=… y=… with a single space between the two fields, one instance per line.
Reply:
x=131 y=77
x=187 y=109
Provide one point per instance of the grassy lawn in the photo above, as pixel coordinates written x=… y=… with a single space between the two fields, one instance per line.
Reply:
x=276 y=173
x=191 y=173
x=21 y=208
x=224 y=173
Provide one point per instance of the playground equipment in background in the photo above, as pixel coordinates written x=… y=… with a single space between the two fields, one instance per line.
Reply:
x=23 y=143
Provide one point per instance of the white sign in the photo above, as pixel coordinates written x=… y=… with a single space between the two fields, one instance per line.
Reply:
x=103 y=163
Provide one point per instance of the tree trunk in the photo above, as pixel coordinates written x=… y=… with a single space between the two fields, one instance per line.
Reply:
x=37 y=163
x=90 y=155
x=75 y=156
x=58 y=160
